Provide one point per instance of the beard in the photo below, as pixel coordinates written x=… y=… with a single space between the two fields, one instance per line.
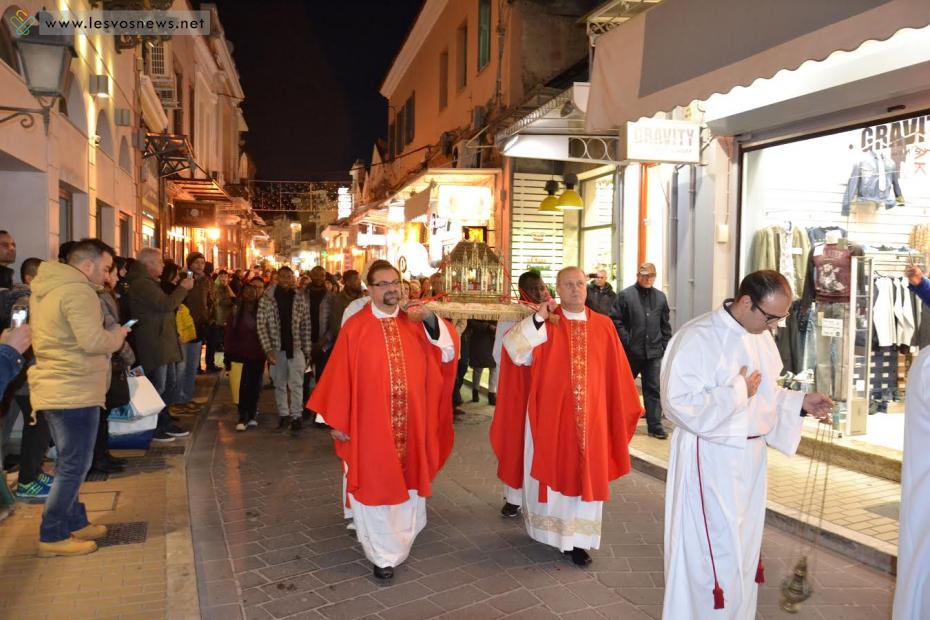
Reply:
x=391 y=298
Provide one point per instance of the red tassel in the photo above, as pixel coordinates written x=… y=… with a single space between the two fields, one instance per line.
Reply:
x=760 y=572
x=718 y=596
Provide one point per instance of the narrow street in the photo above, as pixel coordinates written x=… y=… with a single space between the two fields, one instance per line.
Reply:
x=270 y=542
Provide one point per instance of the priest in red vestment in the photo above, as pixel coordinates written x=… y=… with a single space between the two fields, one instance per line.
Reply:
x=562 y=432
x=387 y=394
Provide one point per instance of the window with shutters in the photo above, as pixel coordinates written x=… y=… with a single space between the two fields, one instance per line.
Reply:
x=461 y=56
x=410 y=120
x=443 y=79
x=484 y=33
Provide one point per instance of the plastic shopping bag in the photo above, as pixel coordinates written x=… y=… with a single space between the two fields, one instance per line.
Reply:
x=235 y=376
x=133 y=434
x=143 y=397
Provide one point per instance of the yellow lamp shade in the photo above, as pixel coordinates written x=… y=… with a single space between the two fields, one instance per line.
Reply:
x=570 y=200
x=549 y=204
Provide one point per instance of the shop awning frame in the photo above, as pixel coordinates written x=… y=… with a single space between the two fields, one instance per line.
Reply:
x=731 y=43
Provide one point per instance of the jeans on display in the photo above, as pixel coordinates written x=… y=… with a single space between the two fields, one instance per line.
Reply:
x=250 y=388
x=832 y=352
x=648 y=370
x=187 y=371
x=288 y=377
x=73 y=431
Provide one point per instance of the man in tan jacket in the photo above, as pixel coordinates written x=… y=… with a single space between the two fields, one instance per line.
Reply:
x=69 y=384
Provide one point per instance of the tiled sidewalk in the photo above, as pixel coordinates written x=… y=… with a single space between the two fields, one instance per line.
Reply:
x=270 y=542
x=150 y=580
x=860 y=502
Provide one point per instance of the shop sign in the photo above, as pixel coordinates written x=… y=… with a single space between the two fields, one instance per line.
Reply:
x=343 y=203
x=661 y=140
x=195 y=214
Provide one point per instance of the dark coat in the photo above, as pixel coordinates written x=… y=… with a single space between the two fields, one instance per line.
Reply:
x=600 y=299
x=155 y=336
x=201 y=301
x=242 y=343
x=480 y=336
x=641 y=318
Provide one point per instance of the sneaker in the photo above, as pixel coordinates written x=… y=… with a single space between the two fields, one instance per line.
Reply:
x=252 y=423
x=295 y=425
x=69 y=546
x=240 y=426
x=33 y=490
x=176 y=431
x=658 y=433
x=510 y=510
x=162 y=437
x=45 y=479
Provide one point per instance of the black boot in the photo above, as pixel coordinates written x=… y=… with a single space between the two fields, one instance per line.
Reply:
x=492 y=398
x=474 y=395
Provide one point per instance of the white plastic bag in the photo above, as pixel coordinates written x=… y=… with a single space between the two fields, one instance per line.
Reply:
x=143 y=397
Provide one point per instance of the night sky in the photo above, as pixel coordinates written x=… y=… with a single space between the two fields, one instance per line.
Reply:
x=311 y=72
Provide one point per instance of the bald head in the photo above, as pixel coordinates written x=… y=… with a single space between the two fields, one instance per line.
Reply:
x=571 y=284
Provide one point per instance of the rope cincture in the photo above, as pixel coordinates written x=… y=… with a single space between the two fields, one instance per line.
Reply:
x=718 y=591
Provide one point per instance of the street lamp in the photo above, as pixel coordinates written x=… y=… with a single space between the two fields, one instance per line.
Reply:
x=45 y=60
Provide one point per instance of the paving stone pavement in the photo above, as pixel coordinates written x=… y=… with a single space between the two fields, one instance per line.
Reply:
x=270 y=542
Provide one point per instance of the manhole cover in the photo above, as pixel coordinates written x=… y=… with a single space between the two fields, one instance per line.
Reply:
x=131 y=533
x=890 y=510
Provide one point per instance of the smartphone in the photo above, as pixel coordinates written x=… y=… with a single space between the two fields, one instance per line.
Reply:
x=130 y=323
x=19 y=315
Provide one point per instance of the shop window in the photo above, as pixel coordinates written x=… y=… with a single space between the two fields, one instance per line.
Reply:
x=599 y=201
x=65 y=216
x=461 y=56
x=443 y=79
x=484 y=33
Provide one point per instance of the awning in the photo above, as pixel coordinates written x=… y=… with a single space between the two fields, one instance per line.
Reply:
x=203 y=190
x=417 y=205
x=681 y=51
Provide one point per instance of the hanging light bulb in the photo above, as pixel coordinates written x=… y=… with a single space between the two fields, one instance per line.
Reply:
x=549 y=203
x=570 y=200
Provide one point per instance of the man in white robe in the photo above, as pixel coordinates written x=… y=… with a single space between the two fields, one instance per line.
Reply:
x=912 y=593
x=719 y=388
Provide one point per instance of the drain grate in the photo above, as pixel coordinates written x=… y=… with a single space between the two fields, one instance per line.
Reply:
x=96 y=476
x=168 y=450
x=146 y=463
x=131 y=533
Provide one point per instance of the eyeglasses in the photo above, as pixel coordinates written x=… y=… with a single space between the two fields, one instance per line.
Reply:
x=648 y=276
x=384 y=285
x=769 y=318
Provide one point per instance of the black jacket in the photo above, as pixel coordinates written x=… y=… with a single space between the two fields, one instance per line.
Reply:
x=600 y=299
x=480 y=337
x=641 y=317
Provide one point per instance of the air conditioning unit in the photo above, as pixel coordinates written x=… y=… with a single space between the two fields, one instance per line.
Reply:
x=465 y=155
x=479 y=116
x=159 y=68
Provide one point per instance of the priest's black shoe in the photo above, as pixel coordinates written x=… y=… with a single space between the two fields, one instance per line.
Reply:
x=579 y=556
x=384 y=573
x=510 y=510
x=659 y=433
x=492 y=398
x=474 y=396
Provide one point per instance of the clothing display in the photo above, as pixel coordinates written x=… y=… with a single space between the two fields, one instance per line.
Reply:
x=884 y=383
x=830 y=373
x=873 y=180
x=919 y=238
x=784 y=249
x=832 y=275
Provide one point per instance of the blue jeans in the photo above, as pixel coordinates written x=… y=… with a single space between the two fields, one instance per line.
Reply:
x=187 y=370
x=163 y=379
x=74 y=432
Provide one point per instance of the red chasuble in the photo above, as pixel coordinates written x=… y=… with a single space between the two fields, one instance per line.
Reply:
x=385 y=386
x=582 y=407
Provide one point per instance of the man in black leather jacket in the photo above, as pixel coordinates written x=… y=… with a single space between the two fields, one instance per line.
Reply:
x=640 y=314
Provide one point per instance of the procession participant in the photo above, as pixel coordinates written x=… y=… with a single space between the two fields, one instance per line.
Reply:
x=719 y=388
x=386 y=394
x=562 y=432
